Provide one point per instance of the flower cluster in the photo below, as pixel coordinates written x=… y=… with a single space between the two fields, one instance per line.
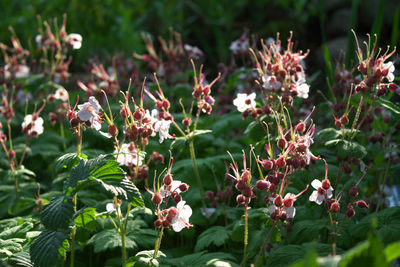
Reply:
x=106 y=81
x=281 y=73
x=177 y=216
x=377 y=72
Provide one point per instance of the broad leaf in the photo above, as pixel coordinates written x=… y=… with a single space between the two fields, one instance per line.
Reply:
x=216 y=235
x=48 y=248
x=58 y=213
x=16 y=231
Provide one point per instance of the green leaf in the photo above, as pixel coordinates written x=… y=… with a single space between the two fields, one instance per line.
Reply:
x=21 y=259
x=16 y=231
x=67 y=161
x=106 y=239
x=389 y=105
x=351 y=149
x=392 y=251
x=9 y=247
x=199 y=259
x=48 y=248
x=145 y=258
x=328 y=134
x=86 y=218
x=307 y=230
x=368 y=253
x=58 y=213
x=309 y=261
x=216 y=235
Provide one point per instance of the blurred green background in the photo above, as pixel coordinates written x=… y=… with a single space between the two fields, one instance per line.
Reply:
x=109 y=26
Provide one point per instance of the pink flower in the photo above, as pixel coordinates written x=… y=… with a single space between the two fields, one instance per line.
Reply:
x=181 y=220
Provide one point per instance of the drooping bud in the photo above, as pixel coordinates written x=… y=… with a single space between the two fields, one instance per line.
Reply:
x=167 y=179
x=267 y=164
x=344 y=120
x=335 y=207
x=288 y=202
x=282 y=143
x=326 y=184
x=262 y=185
x=350 y=212
x=139 y=114
x=183 y=187
x=157 y=198
x=172 y=212
x=240 y=199
x=300 y=127
x=74 y=122
x=281 y=162
x=362 y=204
x=278 y=201
x=353 y=191
x=112 y=130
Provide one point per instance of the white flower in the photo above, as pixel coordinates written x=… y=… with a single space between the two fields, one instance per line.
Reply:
x=181 y=220
x=128 y=156
x=174 y=187
x=23 y=97
x=75 y=40
x=162 y=127
x=32 y=127
x=22 y=72
x=290 y=211
x=207 y=212
x=61 y=94
x=239 y=46
x=245 y=101
x=390 y=67
x=38 y=40
x=110 y=207
x=89 y=111
x=193 y=51
x=302 y=90
x=271 y=83
x=319 y=194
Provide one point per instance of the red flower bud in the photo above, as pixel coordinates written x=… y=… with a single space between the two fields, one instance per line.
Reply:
x=183 y=187
x=350 y=212
x=300 y=127
x=281 y=162
x=278 y=201
x=282 y=143
x=157 y=198
x=262 y=185
x=362 y=204
x=353 y=191
x=167 y=179
x=267 y=164
x=112 y=130
x=335 y=207
x=326 y=184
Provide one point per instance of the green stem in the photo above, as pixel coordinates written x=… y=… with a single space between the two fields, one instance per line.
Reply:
x=158 y=243
x=73 y=236
x=63 y=135
x=122 y=233
x=246 y=233
x=196 y=171
x=265 y=242
x=79 y=136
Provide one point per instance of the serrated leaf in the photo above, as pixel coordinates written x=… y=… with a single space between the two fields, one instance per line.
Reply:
x=307 y=230
x=16 y=231
x=85 y=217
x=328 y=134
x=21 y=259
x=216 y=235
x=58 y=213
x=106 y=239
x=48 y=248
x=67 y=161
x=10 y=246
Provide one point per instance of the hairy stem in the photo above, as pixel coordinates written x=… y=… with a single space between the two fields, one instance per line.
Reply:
x=158 y=243
x=246 y=233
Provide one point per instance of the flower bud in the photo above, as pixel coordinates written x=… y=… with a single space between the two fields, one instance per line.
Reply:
x=326 y=184
x=245 y=176
x=281 y=162
x=338 y=123
x=267 y=164
x=350 y=212
x=157 y=198
x=288 y=202
x=272 y=187
x=335 y=207
x=158 y=223
x=112 y=130
x=167 y=179
x=240 y=185
x=166 y=104
x=74 y=122
x=177 y=198
x=183 y=187
x=247 y=192
x=278 y=201
x=209 y=194
x=362 y=204
x=240 y=199
x=353 y=191
x=187 y=122
x=166 y=223
x=172 y=212
x=344 y=120
x=282 y=143
x=124 y=112
x=262 y=185
x=300 y=127
x=139 y=114
x=11 y=154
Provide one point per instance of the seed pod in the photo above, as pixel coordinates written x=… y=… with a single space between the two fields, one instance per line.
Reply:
x=278 y=201
x=113 y=130
x=262 y=185
x=335 y=207
x=326 y=184
x=350 y=212
x=353 y=191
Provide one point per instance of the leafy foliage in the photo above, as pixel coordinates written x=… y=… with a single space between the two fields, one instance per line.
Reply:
x=58 y=213
x=216 y=235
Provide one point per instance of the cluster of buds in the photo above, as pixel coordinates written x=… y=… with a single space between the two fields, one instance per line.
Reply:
x=344 y=81
x=377 y=72
x=6 y=107
x=103 y=81
x=281 y=73
x=175 y=60
x=176 y=216
x=15 y=61
x=57 y=45
x=282 y=208
x=88 y=114
x=202 y=92
x=242 y=182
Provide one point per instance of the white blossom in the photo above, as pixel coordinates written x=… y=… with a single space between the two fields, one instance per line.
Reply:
x=173 y=187
x=89 y=111
x=239 y=46
x=390 y=67
x=75 y=40
x=302 y=90
x=128 y=156
x=318 y=195
x=181 y=220
x=193 y=51
x=245 y=101
x=61 y=94
x=110 y=207
x=162 y=127
x=271 y=83
x=32 y=127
